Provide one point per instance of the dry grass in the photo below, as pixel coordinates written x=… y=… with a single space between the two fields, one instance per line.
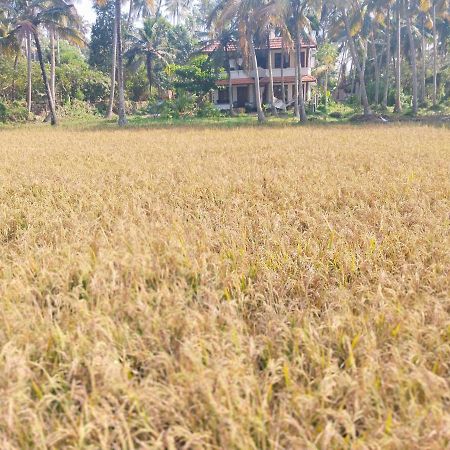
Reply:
x=281 y=288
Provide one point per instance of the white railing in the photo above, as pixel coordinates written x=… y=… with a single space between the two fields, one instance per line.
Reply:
x=236 y=74
x=263 y=73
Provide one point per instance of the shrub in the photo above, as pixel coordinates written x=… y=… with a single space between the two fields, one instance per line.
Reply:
x=13 y=112
x=208 y=110
x=77 y=109
x=336 y=115
x=3 y=113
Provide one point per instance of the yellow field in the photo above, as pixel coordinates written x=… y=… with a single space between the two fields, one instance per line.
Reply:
x=258 y=288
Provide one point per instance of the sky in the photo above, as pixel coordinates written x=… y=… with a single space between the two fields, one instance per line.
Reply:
x=85 y=10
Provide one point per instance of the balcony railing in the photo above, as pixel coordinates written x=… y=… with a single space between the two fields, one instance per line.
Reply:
x=264 y=73
x=236 y=74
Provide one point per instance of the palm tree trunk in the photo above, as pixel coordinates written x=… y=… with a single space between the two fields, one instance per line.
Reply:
x=149 y=72
x=120 y=80
x=353 y=77
x=52 y=64
x=29 y=69
x=326 y=90
x=54 y=120
x=130 y=15
x=412 y=49
x=296 y=105
x=283 y=94
x=230 y=82
x=261 y=116
x=13 y=90
x=364 y=62
x=423 y=89
x=398 y=71
x=301 y=100
x=112 y=92
x=269 y=66
x=58 y=49
x=434 y=57
x=375 y=66
x=362 y=82
x=388 y=59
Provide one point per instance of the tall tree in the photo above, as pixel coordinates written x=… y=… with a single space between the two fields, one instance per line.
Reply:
x=351 y=16
x=398 y=60
x=296 y=15
x=409 y=11
x=27 y=18
x=248 y=18
x=223 y=42
x=388 y=57
x=326 y=56
x=103 y=47
x=149 y=45
x=120 y=80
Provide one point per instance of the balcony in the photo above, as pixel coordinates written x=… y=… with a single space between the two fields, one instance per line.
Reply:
x=264 y=73
x=236 y=74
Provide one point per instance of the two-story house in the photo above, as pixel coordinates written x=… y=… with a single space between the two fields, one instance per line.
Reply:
x=283 y=69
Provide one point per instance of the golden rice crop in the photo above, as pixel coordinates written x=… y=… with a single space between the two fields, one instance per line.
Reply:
x=253 y=288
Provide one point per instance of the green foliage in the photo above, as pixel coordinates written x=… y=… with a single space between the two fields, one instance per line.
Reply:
x=183 y=105
x=13 y=112
x=100 y=46
x=79 y=81
x=3 y=112
x=77 y=109
x=182 y=41
x=198 y=77
x=327 y=55
x=207 y=109
x=136 y=85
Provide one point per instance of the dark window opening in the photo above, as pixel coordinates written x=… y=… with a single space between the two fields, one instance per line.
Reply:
x=224 y=96
x=277 y=91
x=261 y=57
x=303 y=59
x=278 y=59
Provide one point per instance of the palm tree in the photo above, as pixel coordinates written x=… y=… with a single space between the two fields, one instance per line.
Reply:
x=68 y=27
x=28 y=16
x=326 y=55
x=141 y=9
x=9 y=45
x=351 y=15
x=112 y=92
x=296 y=15
x=117 y=58
x=388 y=57
x=118 y=25
x=247 y=15
x=440 y=9
x=398 y=61
x=373 y=46
x=177 y=9
x=434 y=56
x=11 y=42
x=408 y=12
x=223 y=42
x=150 y=44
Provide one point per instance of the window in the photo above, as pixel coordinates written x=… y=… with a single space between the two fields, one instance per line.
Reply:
x=261 y=56
x=303 y=59
x=277 y=91
x=278 y=58
x=224 y=96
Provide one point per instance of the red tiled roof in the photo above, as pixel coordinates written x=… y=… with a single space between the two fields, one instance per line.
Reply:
x=265 y=80
x=274 y=43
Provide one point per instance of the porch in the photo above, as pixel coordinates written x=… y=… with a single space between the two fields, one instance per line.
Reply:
x=244 y=95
